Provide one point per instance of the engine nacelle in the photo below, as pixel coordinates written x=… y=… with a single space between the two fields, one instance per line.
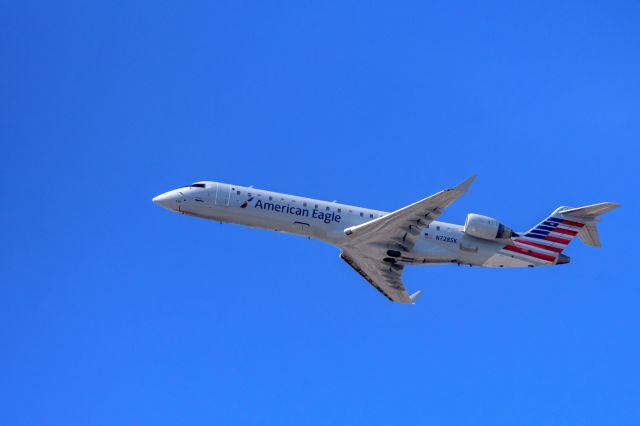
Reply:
x=486 y=228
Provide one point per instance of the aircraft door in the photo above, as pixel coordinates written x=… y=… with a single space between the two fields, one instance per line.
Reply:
x=223 y=193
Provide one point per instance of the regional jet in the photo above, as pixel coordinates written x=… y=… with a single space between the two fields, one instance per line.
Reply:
x=378 y=245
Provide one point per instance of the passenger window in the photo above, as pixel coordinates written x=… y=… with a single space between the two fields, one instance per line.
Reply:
x=304 y=204
x=361 y=214
x=327 y=208
x=339 y=210
x=316 y=206
x=270 y=198
x=371 y=215
x=238 y=192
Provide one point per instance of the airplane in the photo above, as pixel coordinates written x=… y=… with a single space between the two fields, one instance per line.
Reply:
x=378 y=245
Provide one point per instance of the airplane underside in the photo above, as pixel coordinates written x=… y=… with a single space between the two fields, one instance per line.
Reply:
x=378 y=245
x=394 y=257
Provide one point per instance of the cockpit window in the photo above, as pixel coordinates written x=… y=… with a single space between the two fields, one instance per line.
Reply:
x=197 y=185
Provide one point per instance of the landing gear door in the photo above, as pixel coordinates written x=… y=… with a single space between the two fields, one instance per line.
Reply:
x=302 y=228
x=223 y=193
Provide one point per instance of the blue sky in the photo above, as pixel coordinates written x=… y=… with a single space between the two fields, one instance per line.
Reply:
x=115 y=311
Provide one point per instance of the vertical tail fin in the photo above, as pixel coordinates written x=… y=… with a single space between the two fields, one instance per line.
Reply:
x=547 y=239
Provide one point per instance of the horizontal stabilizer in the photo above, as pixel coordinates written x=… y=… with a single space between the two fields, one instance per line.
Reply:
x=592 y=210
x=588 y=215
x=415 y=296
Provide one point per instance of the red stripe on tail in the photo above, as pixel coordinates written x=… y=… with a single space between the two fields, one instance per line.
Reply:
x=572 y=223
x=542 y=246
x=557 y=240
x=530 y=253
x=565 y=231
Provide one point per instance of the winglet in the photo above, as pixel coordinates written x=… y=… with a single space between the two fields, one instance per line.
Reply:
x=415 y=296
x=464 y=186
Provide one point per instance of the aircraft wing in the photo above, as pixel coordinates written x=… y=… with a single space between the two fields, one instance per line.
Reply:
x=365 y=248
x=403 y=226
x=383 y=276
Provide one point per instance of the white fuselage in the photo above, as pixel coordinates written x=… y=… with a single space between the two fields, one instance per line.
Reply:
x=439 y=242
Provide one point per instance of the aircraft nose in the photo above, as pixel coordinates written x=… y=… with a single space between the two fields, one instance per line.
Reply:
x=168 y=200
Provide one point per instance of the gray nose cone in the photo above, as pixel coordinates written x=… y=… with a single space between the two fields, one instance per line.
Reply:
x=562 y=259
x=168 y=200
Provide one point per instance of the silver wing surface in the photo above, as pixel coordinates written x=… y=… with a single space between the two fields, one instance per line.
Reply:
x=368 y=245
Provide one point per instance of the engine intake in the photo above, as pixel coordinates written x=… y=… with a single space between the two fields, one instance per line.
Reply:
x=486 y=228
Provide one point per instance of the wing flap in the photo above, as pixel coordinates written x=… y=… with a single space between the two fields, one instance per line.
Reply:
x=386 y=279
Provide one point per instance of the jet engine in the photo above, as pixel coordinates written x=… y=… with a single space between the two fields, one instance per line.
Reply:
x=486 y=228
